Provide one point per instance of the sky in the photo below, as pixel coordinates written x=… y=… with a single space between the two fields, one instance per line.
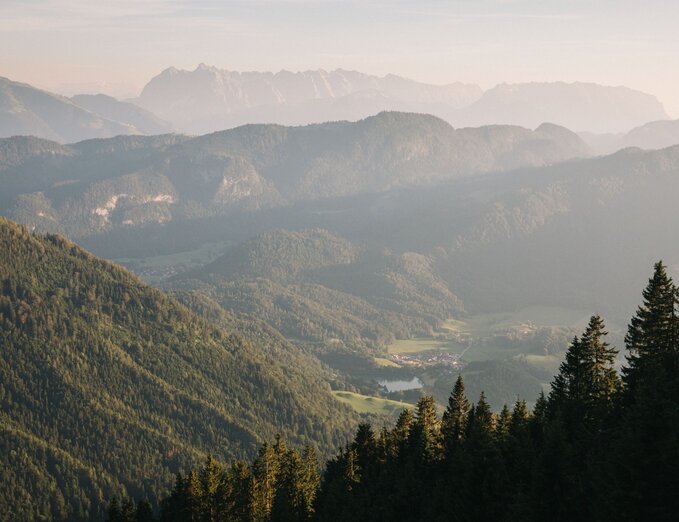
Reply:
x=117 y=46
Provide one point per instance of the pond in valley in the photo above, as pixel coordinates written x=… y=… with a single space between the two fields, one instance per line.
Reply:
x=396 y=386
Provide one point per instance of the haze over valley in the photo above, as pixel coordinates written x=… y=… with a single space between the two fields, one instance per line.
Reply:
x=379 y=262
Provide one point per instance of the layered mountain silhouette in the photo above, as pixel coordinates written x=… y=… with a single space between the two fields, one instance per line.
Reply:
x=129 y=181
x=578 y=106
x=208 y=99
x=27 y=111
x=108 y=107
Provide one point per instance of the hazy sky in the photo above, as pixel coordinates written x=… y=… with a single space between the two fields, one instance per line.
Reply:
x=120 y=44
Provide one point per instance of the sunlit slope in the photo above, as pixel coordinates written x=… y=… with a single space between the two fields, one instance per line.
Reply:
x=106 y=380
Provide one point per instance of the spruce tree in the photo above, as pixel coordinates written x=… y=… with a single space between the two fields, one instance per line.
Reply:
x=424 y=440
x=311 y=479
x=568 y=385
x=242 y=492
x=127 y=510
x=365 y=446
x=340 y=480
x=583 y=391
x=455 y=417
x=114 y=513
x=652 y=332
x=398 y=437
x=290 y=502
x=144 y=512
x=602 y=381
x=265 y=470
x=519 y=456
x=481 y=422
x=504 y=420
x=173 y=507
x=210 y=477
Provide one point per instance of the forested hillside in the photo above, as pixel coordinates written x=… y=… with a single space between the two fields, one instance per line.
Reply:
x=314 y=286
x=126 y=182
x=600 y=446
x=108 y=386
x=566 y=235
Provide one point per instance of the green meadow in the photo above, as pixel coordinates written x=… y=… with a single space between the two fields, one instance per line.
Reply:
x=367 y=404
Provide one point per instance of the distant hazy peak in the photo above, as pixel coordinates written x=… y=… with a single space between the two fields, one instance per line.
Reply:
x=580 y=106
x=208 y=99
x=26 y=110
x=115 y=110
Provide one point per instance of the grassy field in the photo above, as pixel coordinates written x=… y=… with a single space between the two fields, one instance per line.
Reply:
x=404 y=346
x=478 y=334
x=490 y=349
x=548 y=363
x=482 y=325
x=366 y=404
x=387 y=363
x=149 y=266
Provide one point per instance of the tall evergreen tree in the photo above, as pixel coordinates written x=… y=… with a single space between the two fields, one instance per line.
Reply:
x=290 y=502
x=424 y=440
x=341 y=480
x=311 y=479
x=455 y=417
x=210 y=479
x=602 y=381
x=265 y=471
x=398 y=437
x=652 y=332
x=583 y=391
x=481 y=422
x=114 y=513
x=127 y=511
x=144 y=512
x=504 y=420
x=242 y=492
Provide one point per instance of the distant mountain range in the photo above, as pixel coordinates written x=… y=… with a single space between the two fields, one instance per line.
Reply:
x=653 y=135
x=142 y=120
x=27 y=111
x=99 y=185
x=578 y=106
x=208 y=99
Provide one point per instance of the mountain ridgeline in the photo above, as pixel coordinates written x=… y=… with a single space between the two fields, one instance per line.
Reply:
x=600 y=446
x=109 y=386
x=26 y=110
x=496 y=241
x=97 y=186
x=210 y=99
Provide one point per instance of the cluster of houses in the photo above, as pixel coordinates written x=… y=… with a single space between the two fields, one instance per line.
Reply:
x=430 y=358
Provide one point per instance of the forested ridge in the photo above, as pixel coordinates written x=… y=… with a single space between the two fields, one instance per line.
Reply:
x=108 y=386
x=600 y=446
x=100 y=185
x=316 y=287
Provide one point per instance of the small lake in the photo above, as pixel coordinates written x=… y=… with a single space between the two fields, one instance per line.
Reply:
x=395 y=386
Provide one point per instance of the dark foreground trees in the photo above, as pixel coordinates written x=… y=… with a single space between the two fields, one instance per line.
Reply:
x=596 y=448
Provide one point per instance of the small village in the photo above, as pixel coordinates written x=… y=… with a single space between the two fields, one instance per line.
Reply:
x=428 y=359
